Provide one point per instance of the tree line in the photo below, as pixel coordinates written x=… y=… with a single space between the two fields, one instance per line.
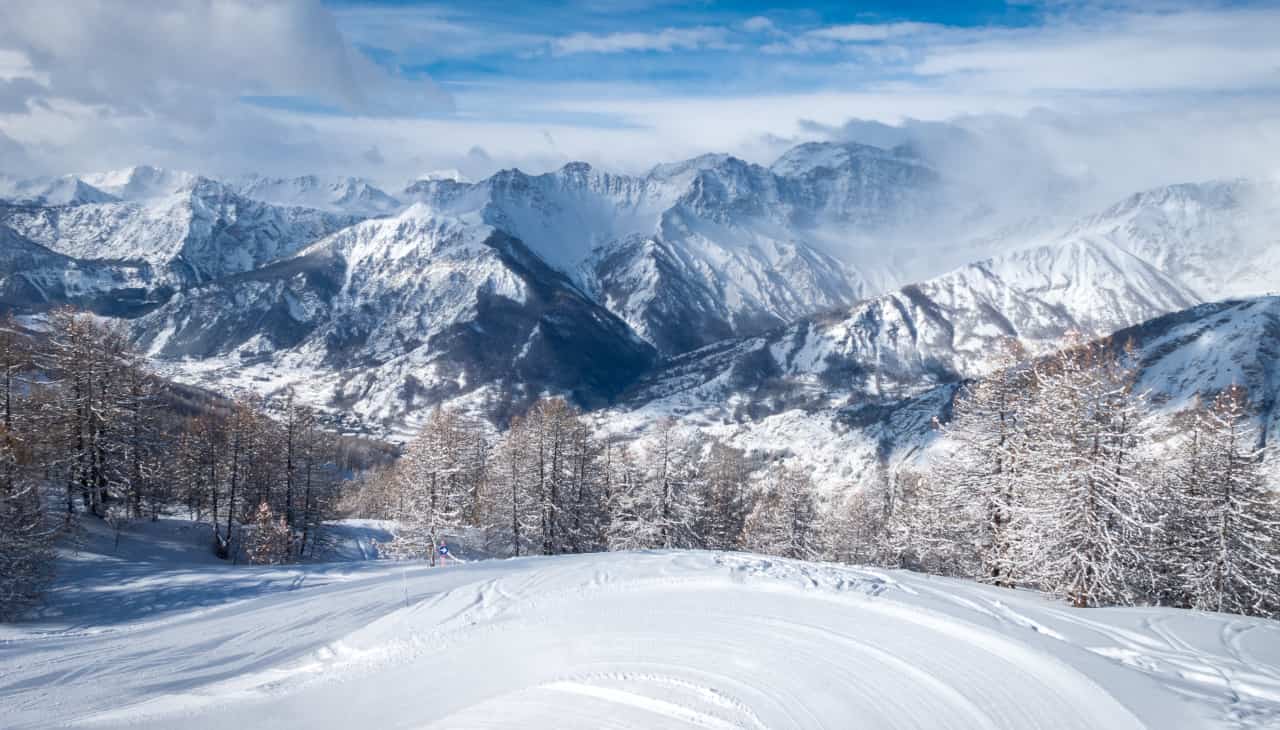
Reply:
x=1055 y=474
x=551 y=484
x=1059 y=474
x=88 y=430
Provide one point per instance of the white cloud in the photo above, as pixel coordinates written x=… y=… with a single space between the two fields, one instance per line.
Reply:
x=666 y=40
x=831 y=38
x=758 y=24
x=115 y=84
x=1190 y=50
x=857 y=32
x=426 y=33
x=186 y=59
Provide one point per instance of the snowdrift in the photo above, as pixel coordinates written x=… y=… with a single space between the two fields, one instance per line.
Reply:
x=162 y=638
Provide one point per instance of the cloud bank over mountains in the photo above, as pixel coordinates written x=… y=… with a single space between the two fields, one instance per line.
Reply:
x=1023 y=96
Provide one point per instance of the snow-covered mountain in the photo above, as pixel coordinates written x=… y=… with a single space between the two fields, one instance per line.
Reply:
x=1155 y=253
x=844 y=398
x=938 y=331
x=65 y=190
x=686 y=254
x=1218 y=239
x=849 y=389
x=727 y=268
x=196 y=232
x=390 y=316
x=1200 y=351
x=339 y=195
x=714 y=246
x=33 y=278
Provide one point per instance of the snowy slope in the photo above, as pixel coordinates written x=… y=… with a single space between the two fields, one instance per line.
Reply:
x=1204 y=349
x=1099 y=284
x=1218 y=239
x=142 y=639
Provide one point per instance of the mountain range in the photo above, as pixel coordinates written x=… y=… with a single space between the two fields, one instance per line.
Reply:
x=757 y=299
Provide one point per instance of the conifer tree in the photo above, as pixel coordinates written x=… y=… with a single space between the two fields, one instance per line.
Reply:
x=429 y=477
x=1233 y=553
x=1080 y=523
x=784 y=519
x=271 y=542
x=725 y=500
x=659 y=506
x=973 y=482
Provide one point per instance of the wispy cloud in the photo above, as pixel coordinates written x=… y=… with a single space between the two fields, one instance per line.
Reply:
x=664 y=40
x=1219 y=50
x=859 y=32
x=758 y=24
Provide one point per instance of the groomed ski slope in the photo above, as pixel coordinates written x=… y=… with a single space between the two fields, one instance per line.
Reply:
x=158 y=636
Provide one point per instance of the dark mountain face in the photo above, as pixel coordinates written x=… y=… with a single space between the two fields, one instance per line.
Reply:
x=446 y=315
x=35 y=279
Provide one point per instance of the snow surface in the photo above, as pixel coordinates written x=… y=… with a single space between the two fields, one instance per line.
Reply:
x=157 y=634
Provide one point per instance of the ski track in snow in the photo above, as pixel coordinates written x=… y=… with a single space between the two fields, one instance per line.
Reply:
x=650 y=640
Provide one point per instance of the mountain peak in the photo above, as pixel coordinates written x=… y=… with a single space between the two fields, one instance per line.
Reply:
x=140 y=181
x=808 y=157
x=65 y=190
x=709 y=161
x=337 y=194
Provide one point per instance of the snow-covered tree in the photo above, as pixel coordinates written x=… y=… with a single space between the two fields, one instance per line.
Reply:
x=26 y=537
x=851 y=526
x=1232 y=551
x=434 y=492
x=784 y=520
x=511 y=509
x=963 y=515
x=15 y=359
x=585 y=499
x=726 y=498
x=271 y=542
x=660 y=508
x=1081 y=486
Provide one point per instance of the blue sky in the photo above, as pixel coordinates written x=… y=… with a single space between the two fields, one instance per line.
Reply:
x=646 y=49
x=686 y=48
x=395 y=89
